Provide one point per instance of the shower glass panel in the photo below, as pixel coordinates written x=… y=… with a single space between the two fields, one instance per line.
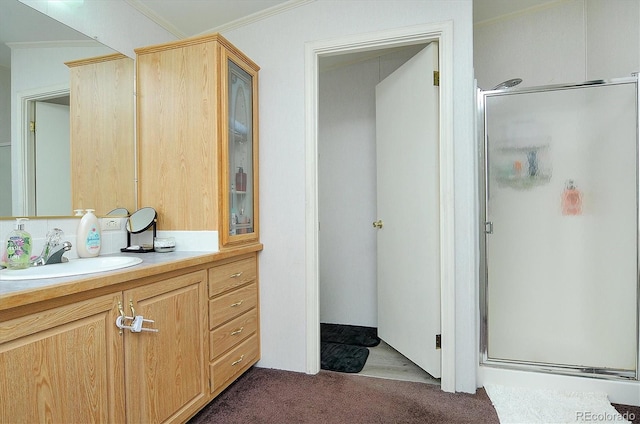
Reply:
x=561 y=210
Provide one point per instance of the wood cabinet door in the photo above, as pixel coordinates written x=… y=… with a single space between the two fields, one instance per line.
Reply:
x=63 y=365
x=166 y=371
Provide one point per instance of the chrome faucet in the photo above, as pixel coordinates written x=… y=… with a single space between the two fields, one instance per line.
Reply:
x=53 y=250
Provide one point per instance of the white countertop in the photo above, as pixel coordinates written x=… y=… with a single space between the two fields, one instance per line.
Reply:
x=148 y=260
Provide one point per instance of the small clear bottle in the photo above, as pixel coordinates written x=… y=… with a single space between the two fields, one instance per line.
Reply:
x=18 y=247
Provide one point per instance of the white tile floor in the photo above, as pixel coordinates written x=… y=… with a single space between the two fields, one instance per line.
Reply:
x=385 y=362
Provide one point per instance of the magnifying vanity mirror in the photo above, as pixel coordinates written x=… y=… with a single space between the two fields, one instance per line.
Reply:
x=118 y=212
x=35 y=108
x=139 y=222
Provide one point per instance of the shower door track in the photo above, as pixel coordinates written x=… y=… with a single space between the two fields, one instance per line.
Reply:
x=486 y=228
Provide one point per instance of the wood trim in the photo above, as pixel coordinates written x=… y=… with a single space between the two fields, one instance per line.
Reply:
x=97 y=59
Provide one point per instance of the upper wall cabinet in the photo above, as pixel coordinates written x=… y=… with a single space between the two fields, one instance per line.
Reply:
x=197 y=122
x=102 y=133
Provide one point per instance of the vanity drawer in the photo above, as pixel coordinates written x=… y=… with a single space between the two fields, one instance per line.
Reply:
x=233 y=363
x=230 y=334
x=225 y=277
x=230 y=305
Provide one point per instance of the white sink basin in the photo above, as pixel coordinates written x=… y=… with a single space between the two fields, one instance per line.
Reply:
x=73 y=267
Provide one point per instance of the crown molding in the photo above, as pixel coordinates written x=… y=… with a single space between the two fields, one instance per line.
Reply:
x=246 y=20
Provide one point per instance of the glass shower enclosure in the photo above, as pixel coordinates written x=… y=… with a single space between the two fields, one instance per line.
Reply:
x=559 y=289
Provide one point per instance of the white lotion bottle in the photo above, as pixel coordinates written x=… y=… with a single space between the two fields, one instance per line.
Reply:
x=89 y=236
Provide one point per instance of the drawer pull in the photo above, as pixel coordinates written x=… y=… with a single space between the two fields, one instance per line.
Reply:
x=233 y=305
x=234 y=363
x=236 y=275
x=238 y=331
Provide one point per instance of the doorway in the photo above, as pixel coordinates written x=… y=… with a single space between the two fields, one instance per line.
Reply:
x=442 y=33
x=48 y=157
x=347 y=192
x=23 y=156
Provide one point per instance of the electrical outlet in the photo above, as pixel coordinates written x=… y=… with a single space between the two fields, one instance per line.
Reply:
x=111 y=224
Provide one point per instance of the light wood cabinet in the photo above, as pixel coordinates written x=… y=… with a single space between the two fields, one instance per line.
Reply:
x=63 y=365
x=233 y=320
x=102 y=133
x=72 y=364
x=166 y=378
x=197 y=123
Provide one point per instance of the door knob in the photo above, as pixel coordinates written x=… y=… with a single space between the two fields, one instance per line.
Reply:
x=377 y=224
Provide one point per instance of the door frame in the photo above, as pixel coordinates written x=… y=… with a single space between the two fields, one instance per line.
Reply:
x=20 y=154
x=441 y=32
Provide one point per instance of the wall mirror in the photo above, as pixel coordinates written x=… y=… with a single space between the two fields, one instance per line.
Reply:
x=34 y=87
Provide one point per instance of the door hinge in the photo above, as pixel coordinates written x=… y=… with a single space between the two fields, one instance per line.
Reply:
x=436 y=78
x=438 y=341
x=32 y=126
x=488 y=227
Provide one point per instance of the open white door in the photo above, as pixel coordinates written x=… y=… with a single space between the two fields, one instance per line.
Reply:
x=52 y=160
x=408 y=206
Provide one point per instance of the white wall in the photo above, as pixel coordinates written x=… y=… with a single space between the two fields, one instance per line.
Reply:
x=571 y=41
x=277 y=44
x=347 y=188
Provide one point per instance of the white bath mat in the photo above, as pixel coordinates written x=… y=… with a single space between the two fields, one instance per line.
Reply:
x=518 y=405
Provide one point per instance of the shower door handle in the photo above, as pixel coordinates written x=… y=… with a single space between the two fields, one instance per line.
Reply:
x=488 y=227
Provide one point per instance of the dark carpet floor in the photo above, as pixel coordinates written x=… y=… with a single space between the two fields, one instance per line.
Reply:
x=284 y=397
x=267 y=396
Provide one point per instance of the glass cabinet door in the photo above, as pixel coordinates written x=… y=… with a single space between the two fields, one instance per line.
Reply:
x=241 y=178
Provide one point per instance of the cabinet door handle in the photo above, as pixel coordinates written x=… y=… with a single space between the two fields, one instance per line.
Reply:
x=236 y=275
x=133 y=311
x=233 y=305
x=234 y=363
x=238 y=331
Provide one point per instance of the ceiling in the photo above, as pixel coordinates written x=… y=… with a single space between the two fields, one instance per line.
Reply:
x=185 y=18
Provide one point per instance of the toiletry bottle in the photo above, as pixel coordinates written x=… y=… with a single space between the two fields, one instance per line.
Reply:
x=241 y=180
x=18 y=247
x=89 y=237
x=571 y=199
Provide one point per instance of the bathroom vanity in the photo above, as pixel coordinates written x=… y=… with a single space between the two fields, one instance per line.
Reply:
x=157 y=341
x=64 y=359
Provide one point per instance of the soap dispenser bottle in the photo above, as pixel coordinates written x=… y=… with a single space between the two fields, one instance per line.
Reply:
x=89 y=237
x=18 y=247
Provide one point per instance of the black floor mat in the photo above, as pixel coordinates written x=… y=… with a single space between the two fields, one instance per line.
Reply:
x=342 y=357
x=349 y=334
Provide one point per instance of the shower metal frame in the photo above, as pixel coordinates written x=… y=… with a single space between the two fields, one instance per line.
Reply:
x=562 y=369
